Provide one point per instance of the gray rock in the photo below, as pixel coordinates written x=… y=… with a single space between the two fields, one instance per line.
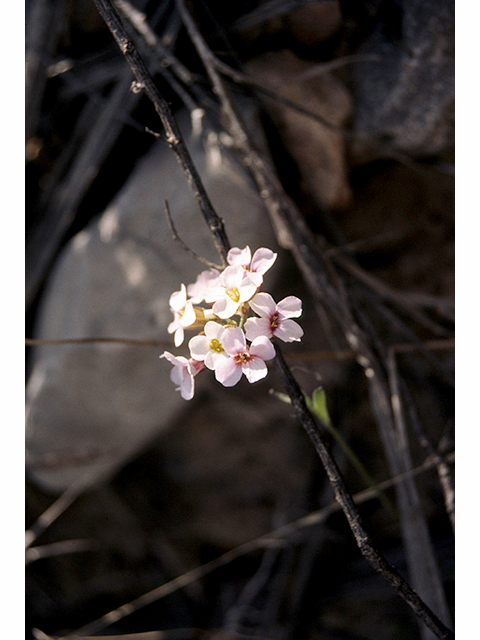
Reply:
x=405 y=97
x=91 y=406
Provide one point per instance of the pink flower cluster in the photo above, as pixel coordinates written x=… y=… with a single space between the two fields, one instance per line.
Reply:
x=231 y=343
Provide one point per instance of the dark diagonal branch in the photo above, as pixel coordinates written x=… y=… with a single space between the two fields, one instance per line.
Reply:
x=173 y=135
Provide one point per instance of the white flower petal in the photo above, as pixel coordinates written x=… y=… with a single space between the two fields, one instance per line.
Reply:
x=232 y=276
x=240 y=257
x=262 y=348
x=188 y=317
x=178 y=336
x=214 y=293
x=173 y=326
x=175 y=360
x=262 y=260
x=187 y=386
x=233 y=341
x=255 y=370
x=290 y=307
x=255 y=277
x=289 y=331
x=247 y=289
x=263 y=304
x=255 y=327
x=181 y=374
x=205 y=281
x=227 y=372
x=213 y=357
x=214 y=330
x=225 y=307
x=199 y=347
x=178 y=299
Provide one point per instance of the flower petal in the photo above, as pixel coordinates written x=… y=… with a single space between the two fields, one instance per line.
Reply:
x=262 y=348
x=290 y=307
x=178 y=299
x=227 y=372
x=188 y=316
x=232 y=276
x=187 y=386
x=214 y=330
x=181 y=374
x=262 y=260
x=255 y=370
x=178 y=336
x=240 y=257
x=212 y=358
x=199 y=347
x=225 y=307
x=247 y=289
x=233 y=341
x=289 y=331
x=255 y=327
x=205 y=281
x=263 y=304
x=175 y=360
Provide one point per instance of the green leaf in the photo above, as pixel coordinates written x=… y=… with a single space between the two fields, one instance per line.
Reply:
x=318 y=404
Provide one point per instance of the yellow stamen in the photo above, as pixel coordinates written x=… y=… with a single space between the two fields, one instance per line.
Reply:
x=216 y=346
x=234 y=294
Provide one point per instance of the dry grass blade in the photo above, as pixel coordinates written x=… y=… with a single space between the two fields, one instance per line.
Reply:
x=423 y=568
x=56 y=509
x=445 y=473
x=57 y=549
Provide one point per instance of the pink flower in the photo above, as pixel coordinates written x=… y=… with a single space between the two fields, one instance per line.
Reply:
x=183 y=314
x=242 y=359
x=209 y=348
x=205 y=281
x=274 y=318
x=233 y=288
x=183 y=373
x=261 y=262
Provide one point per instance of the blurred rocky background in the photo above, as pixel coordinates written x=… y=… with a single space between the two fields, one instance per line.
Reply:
x=351 y=104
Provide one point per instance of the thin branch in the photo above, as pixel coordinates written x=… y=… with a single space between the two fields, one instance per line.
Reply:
x=173 y=135
x=130 y=341
x=184 y=246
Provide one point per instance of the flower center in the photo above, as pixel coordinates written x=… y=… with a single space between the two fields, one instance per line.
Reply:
x=216 y=346
x=274 y=321
x=241 y=358
x=234 y=294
